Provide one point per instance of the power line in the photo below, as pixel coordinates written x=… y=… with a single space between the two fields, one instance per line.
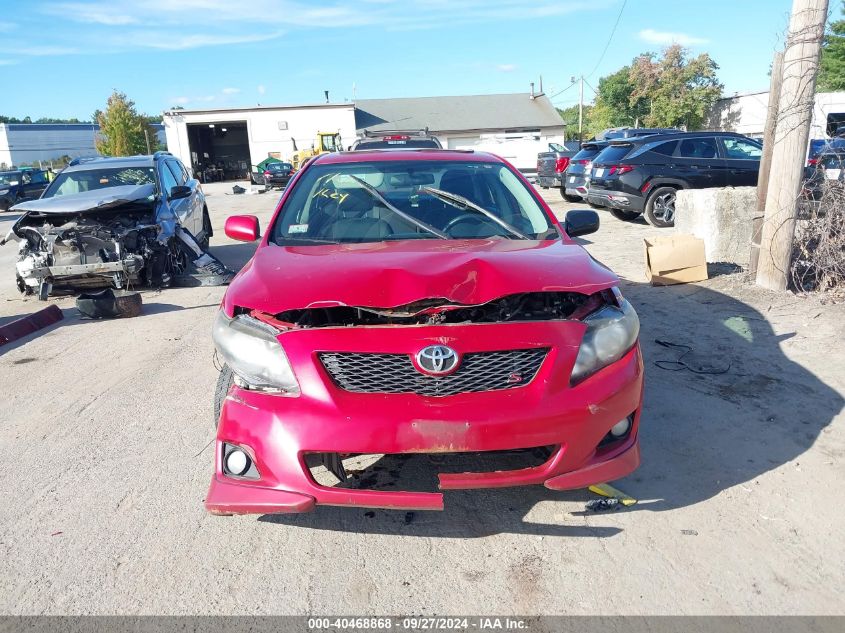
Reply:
x=609 y=39
x=560 y=92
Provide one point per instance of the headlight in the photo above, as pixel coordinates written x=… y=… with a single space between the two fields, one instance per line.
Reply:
x=3 y=192
x=251 y=349
x=611 y=332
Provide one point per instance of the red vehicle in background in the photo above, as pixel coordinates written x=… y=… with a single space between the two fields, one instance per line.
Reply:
x=418 y=303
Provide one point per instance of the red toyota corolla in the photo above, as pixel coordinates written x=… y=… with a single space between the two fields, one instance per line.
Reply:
x=419 y=302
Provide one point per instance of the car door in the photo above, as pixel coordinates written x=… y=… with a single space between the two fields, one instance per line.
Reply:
x=195 y=202
x=698 y=162
x=179 y=207
x=33 y=184
x=742 y=157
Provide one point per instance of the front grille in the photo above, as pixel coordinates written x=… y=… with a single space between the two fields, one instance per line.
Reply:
x=395 y=373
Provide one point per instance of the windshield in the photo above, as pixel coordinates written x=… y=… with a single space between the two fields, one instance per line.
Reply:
x=79 y=181
x=10 y=177
x=378 y=201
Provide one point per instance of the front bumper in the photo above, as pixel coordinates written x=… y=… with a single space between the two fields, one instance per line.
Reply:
x=278 y=431
x=616 y=199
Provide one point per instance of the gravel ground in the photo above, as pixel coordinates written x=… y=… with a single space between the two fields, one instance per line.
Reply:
x=106 y=426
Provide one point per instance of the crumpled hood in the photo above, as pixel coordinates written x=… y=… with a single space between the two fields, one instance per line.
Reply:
x=391 y=274
x=95 y=200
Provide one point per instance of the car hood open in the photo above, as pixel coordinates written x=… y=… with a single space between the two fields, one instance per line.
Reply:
x=95 y=200
x=391 y=274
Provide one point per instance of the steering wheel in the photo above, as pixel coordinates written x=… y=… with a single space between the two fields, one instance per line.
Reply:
x=463 y=217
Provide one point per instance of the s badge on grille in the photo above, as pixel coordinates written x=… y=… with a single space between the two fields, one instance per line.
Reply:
x=437 y=360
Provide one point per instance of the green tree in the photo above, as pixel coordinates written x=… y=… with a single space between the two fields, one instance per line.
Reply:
x=832 y=70
x=677 y=90
x=122 y=129
x=616 y=105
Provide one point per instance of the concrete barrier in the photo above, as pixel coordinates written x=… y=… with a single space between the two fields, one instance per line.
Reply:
x=721 y=217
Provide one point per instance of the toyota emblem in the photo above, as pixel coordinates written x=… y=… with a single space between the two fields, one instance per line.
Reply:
x=437 y=360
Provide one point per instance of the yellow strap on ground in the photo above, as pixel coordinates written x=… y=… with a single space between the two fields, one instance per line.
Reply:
x=606 y=490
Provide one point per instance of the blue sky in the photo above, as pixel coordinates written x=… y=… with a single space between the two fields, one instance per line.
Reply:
x=62 y=58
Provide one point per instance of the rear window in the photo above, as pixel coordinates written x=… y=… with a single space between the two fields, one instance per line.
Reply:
x=612 y=154
x=586 y=153
x=667 y=149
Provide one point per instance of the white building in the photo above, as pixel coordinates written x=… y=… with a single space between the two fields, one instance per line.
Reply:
x=238 y=138
x=27 y=143
x=242 y=137
x=746 y=113
x=45 y=143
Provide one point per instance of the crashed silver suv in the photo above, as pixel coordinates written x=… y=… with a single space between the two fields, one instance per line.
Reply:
x=139 y=220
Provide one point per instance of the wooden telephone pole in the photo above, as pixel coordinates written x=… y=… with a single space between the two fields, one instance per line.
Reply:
x=789 y=152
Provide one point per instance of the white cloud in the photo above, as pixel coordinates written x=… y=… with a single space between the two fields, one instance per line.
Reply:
x=7 y=62
x=665 y=38
x=182 y=100
x=506 y=68
x=96 y=13
x=5 y=27
x=230 y=91
x=261 y=89
x=173 y=42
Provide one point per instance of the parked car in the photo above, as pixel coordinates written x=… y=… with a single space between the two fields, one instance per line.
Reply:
x=642 y=175
x=819 y=146
x=397 y=141
x=551 y=167
x=21 y=184
x=466 y=320
x=577 y=175
x=828 y=171
x=277 y=174
x=112 y=222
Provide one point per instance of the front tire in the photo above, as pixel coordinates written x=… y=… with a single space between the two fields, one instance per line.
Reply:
x=660 y=207
x=625 y=216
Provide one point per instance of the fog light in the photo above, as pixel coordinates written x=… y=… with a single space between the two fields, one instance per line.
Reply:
x=237 y=462
x=620 y=428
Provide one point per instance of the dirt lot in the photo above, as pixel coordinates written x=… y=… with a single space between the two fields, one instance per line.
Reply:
x=105 y=429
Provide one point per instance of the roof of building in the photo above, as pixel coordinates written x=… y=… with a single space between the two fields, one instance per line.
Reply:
x=471 y=112
x=60 y=127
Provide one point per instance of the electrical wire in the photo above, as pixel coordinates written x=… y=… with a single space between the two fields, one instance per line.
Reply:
x=609 y=40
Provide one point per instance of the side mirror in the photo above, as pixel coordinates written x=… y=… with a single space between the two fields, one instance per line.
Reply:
x=244 y=228
x=179 y=191
x=580 y=222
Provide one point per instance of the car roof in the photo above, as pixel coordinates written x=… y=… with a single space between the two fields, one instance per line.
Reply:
x=421 y=154
x=10 y=171
x=642 y=140
x=111 y=162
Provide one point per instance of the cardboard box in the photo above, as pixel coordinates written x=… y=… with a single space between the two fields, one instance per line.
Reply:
x=674 y=259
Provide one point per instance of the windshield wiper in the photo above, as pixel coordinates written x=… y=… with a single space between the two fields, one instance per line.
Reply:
x=463 y=203
x=375 y=193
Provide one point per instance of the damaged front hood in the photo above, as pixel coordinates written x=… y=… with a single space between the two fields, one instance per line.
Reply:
x=95 y=200
x=391 y=274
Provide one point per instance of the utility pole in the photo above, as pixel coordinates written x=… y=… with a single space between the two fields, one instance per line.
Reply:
x=766 y=159
x=789 y=150
x=581 y=112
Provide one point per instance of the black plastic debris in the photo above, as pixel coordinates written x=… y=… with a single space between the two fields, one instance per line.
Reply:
x=110 y=304
x=602 y=505
x=238 y=189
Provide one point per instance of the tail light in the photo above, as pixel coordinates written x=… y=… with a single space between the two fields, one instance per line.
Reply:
x=561 y=164
x=583 y=161
x=268 y=173
x=812 y=162
x=619 y=169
